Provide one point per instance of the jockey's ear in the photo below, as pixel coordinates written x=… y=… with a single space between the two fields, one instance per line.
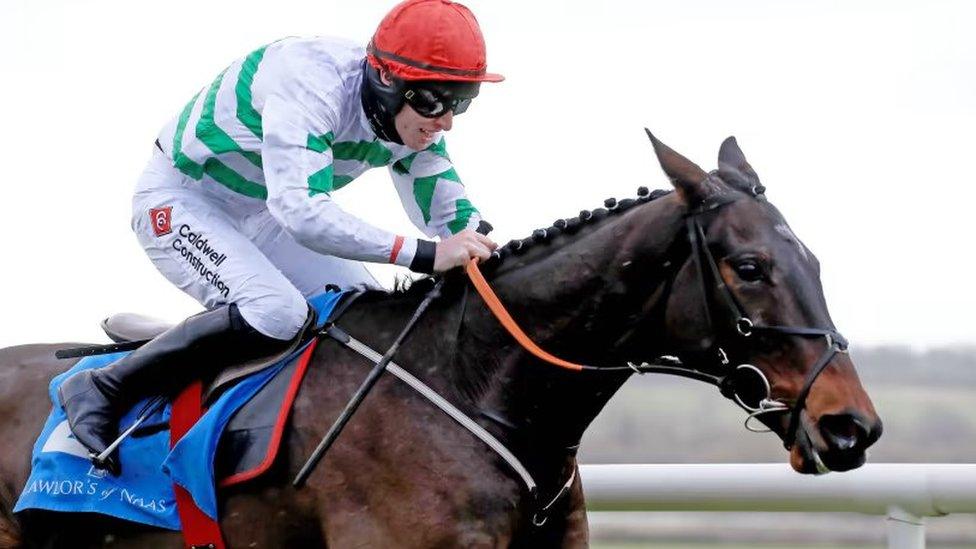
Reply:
x=733 y=167
x=691 y=182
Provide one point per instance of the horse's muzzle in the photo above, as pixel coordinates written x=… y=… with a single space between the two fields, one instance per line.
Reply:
x=846 y=437
x=835 y=442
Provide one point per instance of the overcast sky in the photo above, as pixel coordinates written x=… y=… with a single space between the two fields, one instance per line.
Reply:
x=858 y=117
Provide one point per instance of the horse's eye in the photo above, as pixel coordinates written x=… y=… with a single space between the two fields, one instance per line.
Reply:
x=749 y=270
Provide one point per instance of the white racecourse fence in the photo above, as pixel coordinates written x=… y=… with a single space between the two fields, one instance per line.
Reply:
x=905 y=493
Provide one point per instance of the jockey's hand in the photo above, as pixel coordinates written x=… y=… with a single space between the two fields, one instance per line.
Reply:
x=458 y=249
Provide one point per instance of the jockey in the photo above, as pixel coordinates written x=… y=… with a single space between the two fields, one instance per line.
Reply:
x=235 y=207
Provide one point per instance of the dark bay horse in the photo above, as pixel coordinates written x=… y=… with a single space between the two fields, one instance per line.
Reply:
x=606 y=288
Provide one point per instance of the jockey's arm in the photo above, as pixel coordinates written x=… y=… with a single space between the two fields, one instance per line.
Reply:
x=434 y=198
x=297 y=157
x=432 y=193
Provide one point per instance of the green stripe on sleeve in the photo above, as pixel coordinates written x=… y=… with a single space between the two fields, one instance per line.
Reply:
x=212 y=135
x=423 y=190
x=463 y=211
x=216 y=169
x=323 y=181
x=320 y=143
x=370 y=152
x=402 y=166
x=229 y=178
x=320 y=181
x=423 y=193
x=450 y=174
x=439 y=148
x=246 y=112
x=340 y=181
x=183 y=162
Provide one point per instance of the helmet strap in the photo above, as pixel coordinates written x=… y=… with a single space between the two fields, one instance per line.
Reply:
x=381 y=102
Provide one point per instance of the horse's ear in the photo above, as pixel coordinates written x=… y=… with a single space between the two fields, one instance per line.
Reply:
x=733 y=167
x=689 y=180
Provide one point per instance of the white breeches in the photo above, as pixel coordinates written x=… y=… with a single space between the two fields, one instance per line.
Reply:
x=223 y=248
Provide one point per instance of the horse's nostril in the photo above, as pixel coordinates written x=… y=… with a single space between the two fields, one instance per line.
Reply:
x=874 y=432
x=845 y=432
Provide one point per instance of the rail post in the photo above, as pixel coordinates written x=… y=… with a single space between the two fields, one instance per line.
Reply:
x=905 y=530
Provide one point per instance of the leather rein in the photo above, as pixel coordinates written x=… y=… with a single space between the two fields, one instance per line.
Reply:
x=721 y=374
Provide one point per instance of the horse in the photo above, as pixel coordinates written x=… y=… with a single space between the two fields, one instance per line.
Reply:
x=708 y=274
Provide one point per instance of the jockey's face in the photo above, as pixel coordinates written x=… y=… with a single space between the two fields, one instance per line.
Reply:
x=417 y=131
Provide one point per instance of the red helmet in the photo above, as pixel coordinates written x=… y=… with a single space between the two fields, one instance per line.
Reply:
x=431 y=40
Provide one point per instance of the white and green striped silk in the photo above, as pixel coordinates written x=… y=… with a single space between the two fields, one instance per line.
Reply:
x=284 y=126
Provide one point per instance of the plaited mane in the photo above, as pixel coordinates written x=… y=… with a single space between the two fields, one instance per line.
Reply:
x=406 y=287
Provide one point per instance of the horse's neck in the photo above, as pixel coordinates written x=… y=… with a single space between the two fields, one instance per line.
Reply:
x=578 y=301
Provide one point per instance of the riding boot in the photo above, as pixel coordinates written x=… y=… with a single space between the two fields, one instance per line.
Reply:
x=199 y=346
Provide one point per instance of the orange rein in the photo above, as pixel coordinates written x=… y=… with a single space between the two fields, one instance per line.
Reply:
x=506 y=320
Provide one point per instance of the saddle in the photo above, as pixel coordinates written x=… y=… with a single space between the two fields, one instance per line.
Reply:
x=127 y=328
x=242 y=448
x=135 y=327
x=249 y=441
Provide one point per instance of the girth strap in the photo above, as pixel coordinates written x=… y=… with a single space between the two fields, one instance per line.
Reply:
x=199 y=530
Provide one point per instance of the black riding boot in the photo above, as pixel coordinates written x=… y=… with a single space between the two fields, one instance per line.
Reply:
x=94 y=399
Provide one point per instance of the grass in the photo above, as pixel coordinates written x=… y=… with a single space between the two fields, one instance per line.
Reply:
x=657 y=419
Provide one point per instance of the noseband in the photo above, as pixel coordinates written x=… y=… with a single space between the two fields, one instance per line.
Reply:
x=733 y=381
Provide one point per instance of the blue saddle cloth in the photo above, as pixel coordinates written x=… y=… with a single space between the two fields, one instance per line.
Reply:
x=63 y=479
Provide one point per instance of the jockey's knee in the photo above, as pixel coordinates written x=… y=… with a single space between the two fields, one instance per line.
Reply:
x=279 y=316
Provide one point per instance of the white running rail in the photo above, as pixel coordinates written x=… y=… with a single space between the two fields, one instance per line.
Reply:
x=905 y=493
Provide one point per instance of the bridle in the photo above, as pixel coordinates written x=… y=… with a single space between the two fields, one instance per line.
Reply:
x=731 y=383
x=738 y=383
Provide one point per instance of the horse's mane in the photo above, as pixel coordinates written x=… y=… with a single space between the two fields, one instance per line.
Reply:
x=405 y=287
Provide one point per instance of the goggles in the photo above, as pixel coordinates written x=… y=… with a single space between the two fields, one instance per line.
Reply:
x=434 y=104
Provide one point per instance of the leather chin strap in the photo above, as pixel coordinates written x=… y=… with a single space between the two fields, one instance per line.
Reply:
x=381 y=102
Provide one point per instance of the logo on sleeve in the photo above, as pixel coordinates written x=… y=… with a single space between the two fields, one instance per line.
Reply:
x=162 y=220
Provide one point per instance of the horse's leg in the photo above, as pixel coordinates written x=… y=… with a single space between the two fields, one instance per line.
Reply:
x=9 y=532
